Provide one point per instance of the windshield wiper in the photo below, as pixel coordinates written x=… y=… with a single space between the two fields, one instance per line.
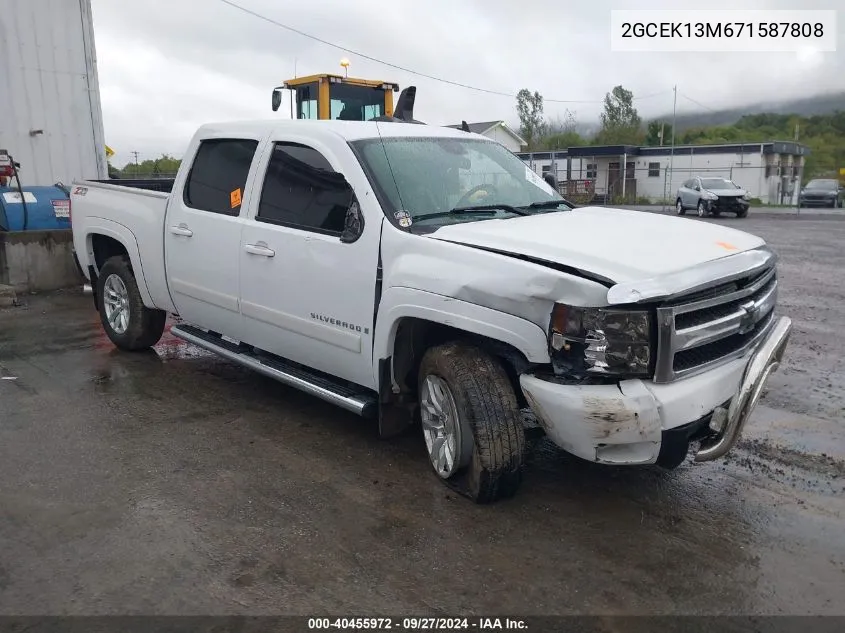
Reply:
x=548 y=204
x=481 y=208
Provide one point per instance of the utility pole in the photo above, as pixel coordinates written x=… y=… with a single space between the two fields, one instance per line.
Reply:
x=136 y=163
x=672 y=149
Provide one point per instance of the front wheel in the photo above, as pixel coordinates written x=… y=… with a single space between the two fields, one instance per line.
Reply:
x=702 y=209
x=679 y=207
x=471 y=422
x=127 y=321
x=742 y=214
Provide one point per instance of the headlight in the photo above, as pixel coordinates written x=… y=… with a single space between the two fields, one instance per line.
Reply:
x=600 y=341
x=709 y=196
x=746 y=197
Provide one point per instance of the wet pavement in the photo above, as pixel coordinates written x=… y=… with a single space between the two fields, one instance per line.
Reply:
x=172 y=482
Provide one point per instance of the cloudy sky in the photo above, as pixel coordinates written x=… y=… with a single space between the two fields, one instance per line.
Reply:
x=166 y=66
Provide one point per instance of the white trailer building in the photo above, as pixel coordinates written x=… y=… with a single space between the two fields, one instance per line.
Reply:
x=50 y=116
x=770 y=171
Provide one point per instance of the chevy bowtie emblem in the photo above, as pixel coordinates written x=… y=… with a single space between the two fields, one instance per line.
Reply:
x=749 y=317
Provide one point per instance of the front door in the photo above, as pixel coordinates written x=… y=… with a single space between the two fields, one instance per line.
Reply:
x=202 y=235
x=687 y=194
x=306 y=295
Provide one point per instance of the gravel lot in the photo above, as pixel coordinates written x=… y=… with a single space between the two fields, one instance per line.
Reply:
x=172 y=482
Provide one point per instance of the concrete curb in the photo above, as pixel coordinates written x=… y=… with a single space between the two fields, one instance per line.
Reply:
x=8 y=298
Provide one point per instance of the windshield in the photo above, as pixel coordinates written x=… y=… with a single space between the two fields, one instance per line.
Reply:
x=717 y=183
x=355 y=103
x=822 y=184
x=427 y=177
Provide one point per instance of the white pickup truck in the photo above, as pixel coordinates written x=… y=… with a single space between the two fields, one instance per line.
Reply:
x=425 y=275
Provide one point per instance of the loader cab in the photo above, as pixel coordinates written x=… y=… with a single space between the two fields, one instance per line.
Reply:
x=332 y=97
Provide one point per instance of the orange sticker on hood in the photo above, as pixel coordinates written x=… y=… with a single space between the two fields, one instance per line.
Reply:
x=726 y=246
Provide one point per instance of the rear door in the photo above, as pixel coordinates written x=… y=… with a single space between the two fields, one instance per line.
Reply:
x=202 y=234
x=307 y=295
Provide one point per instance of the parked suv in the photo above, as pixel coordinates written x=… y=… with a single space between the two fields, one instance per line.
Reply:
x=822 y=192
x=712 y=196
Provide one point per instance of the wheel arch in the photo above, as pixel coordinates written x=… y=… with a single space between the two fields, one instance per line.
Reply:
x=109 y=239
x=412 y=321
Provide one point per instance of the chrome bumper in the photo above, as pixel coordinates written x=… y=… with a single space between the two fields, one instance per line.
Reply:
x=731 y=421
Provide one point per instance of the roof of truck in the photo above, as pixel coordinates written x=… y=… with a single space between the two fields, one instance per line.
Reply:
x=348 y=130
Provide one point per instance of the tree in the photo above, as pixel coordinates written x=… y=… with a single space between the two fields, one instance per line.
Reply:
x=529 y=107
x=658 y=133
x=561 y=133
x=164 y=167
x=620 y=122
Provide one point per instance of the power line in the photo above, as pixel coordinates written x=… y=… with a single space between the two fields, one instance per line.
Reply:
x=409 y=70
x=700 y=105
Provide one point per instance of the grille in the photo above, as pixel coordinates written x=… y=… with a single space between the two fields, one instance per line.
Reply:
x=715 y=325
x=710 y=352
x=686 y=320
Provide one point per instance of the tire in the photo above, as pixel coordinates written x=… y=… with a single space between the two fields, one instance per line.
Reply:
x=141 y=328
x=491 y=448
x=679 y=207
x=742 y=214
x=702 y=210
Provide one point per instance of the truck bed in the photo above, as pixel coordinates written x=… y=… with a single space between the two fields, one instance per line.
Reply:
x=164 y=185
x=131 y=212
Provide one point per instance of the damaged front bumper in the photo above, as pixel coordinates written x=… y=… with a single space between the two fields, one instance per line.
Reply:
x=630 y=422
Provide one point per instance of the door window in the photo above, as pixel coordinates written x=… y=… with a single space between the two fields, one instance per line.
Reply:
x=302 y=190
x=218 y=176
x=306 y=101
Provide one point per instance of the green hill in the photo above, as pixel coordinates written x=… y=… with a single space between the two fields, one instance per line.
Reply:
x=824 y=134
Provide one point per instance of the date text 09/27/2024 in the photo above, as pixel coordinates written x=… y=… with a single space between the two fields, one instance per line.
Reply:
x=417 y=624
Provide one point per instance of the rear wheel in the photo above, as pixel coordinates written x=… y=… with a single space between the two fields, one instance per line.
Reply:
x=679 y=207
x=471 y=422
x=702 y=209
x=127 y=321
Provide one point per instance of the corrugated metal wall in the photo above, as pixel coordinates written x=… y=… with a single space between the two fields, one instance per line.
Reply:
x=48 y=82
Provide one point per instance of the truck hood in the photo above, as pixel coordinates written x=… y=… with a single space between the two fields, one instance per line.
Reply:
x=615 y=244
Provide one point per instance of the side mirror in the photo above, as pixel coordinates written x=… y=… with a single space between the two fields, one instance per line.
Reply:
x=550 y=179
x=277 y=98
x=353 y=225
x=697 y=188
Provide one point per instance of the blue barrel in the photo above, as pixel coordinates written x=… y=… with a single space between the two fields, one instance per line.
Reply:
x=47 y=208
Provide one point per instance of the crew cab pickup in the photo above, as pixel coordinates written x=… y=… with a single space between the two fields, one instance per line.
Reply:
x=428 y=278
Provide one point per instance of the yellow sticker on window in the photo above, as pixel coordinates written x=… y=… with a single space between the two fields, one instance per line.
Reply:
x=235 y=198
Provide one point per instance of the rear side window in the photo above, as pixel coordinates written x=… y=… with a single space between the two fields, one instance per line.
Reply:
x=302 y=190
x=218 y=176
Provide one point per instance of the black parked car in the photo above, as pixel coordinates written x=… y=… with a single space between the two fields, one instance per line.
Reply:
x=822 y=192
x=712 y=196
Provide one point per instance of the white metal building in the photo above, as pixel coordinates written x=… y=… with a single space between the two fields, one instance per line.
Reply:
x=498 y=131
x=50 y=115
x=770 y=171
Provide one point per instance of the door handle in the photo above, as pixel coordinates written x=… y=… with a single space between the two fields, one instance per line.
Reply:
x=181 y=230
x=260 y=249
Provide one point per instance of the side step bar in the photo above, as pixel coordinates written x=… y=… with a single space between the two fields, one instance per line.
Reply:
x=311 y=382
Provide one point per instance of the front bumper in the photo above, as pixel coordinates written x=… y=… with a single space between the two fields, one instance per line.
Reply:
x=727 y=205
x=818 y=202
x=627 y=423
